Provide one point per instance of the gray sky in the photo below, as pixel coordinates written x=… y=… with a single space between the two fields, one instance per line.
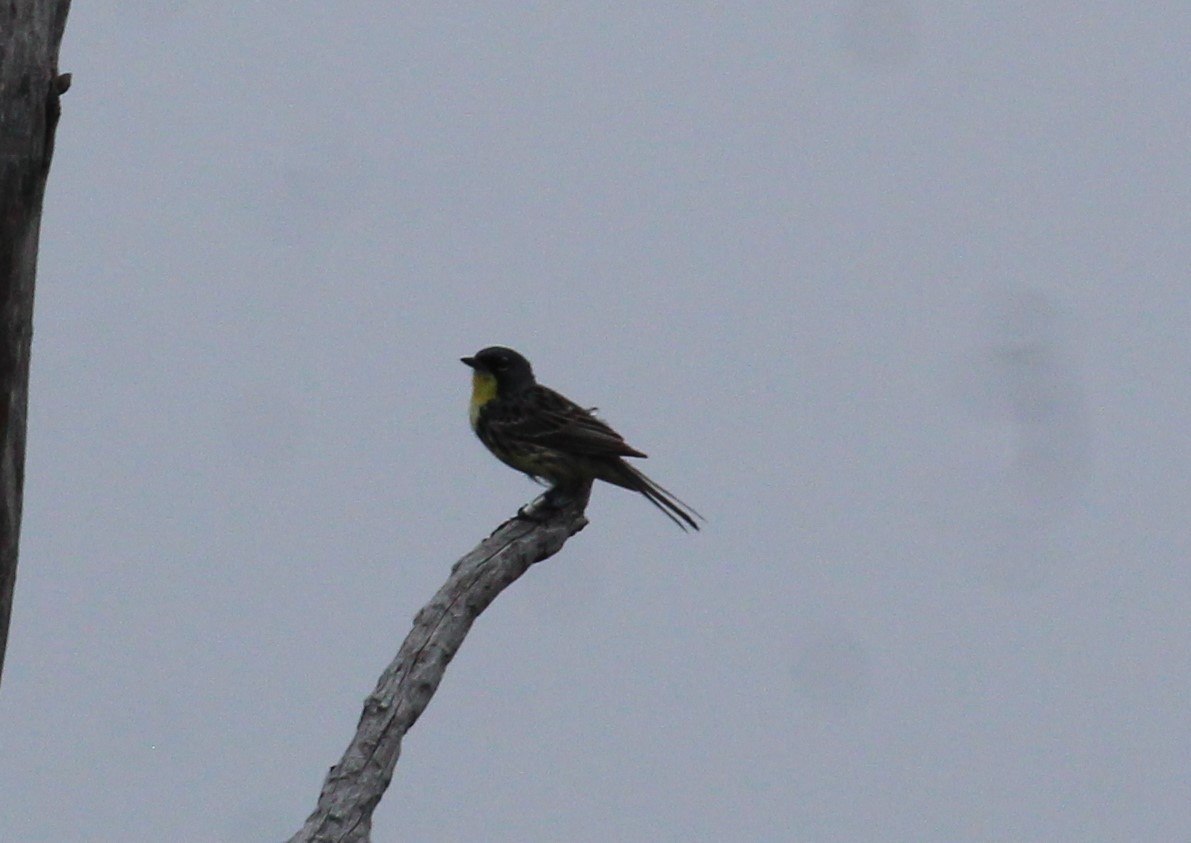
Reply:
x=895 y=293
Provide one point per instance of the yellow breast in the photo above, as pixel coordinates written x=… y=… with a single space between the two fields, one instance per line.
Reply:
x=483 y=390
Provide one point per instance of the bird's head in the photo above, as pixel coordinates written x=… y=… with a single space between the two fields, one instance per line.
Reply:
x=510 y=371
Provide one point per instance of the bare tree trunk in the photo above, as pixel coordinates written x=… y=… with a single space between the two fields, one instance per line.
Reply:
x=30 y=32
x=354 y=786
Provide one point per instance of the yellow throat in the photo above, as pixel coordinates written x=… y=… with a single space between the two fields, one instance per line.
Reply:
x=483 y=390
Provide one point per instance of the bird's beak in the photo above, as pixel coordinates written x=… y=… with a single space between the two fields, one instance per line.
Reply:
x=470 y=361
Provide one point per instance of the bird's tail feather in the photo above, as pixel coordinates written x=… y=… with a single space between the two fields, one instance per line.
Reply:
x=671 y=505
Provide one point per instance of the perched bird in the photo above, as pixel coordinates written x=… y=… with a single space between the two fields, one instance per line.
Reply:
x=551 y=438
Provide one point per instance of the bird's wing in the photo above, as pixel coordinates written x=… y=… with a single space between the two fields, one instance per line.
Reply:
x=551 y=420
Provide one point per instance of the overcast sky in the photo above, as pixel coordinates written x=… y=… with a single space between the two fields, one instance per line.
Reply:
x=895 y=293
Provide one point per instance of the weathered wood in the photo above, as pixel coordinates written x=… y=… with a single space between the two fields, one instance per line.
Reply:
x=30 y=33
x=354 y=786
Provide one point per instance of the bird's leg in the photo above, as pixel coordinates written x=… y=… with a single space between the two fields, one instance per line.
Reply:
x=559 y=496
x=552 y=501
x=544 y=505
x=529 y=511
x=525 y=513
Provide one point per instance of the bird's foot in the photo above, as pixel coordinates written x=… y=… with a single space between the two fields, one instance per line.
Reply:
x=545 y=505
x=532 y=512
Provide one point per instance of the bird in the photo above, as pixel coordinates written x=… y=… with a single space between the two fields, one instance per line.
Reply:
x=549 y=437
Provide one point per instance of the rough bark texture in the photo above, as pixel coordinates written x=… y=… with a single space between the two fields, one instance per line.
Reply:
x=30 y=32
x=354 y=786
